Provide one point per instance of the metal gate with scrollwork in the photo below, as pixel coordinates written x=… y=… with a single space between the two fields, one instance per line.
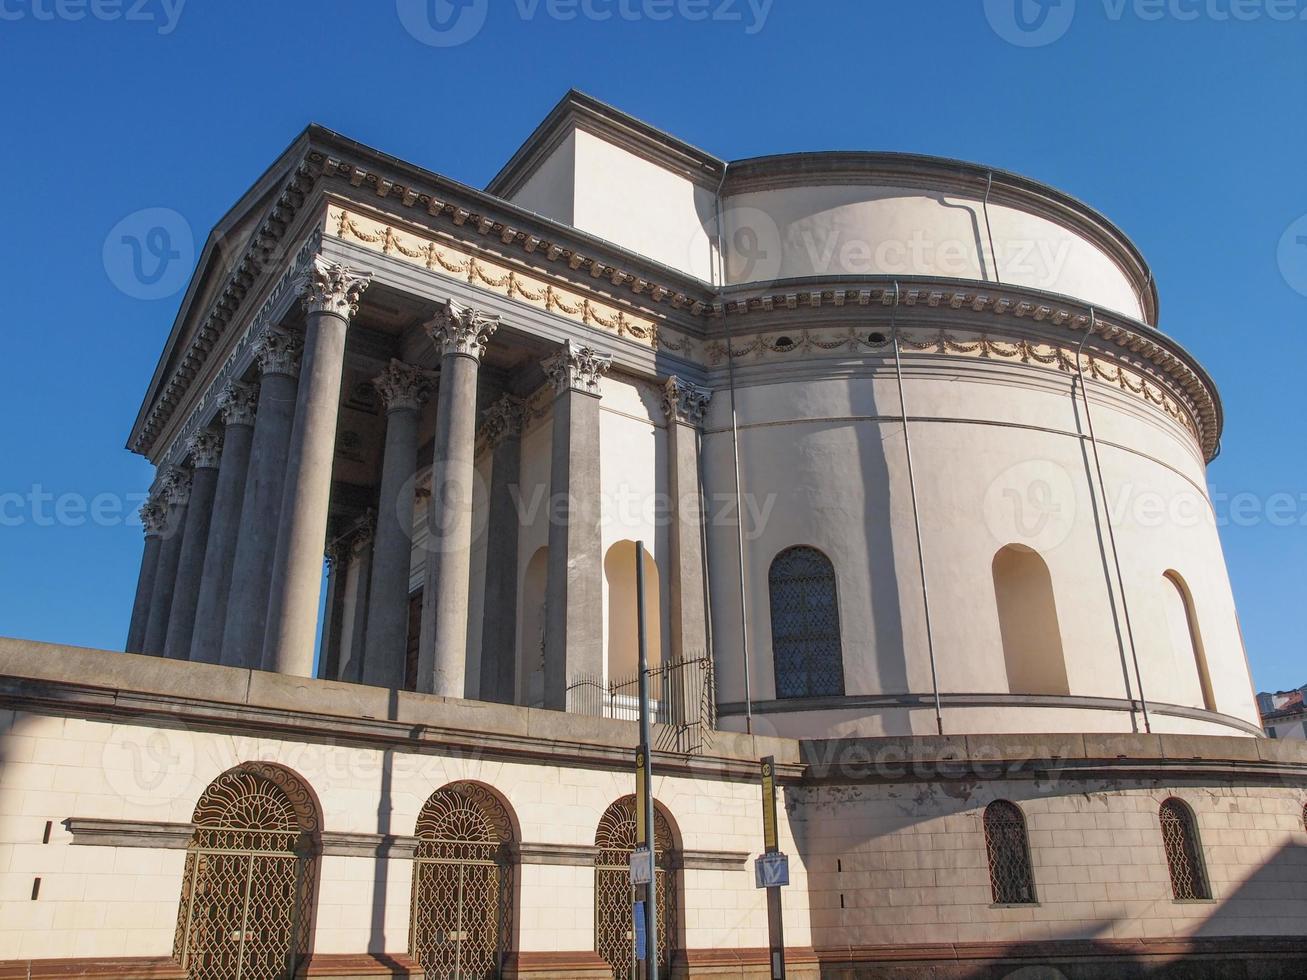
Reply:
x=462 y=885
x=614 y=895
x=248 y=884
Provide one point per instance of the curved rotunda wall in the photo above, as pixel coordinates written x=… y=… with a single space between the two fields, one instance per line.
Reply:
x=876 y=228
x=999 y=463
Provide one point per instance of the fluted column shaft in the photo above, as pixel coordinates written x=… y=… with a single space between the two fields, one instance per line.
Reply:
x=176 y=491
x=684 y=405
x=403 y=389
x=461 y=335
x=331 y=294
x=237 y=404
x=205 y=452
x=504 y=422
x=574 y=594
x=251 y=573
x=152 y=518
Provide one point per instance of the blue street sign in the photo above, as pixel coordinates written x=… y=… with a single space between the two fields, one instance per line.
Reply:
x=640 y=938
x=771 y=870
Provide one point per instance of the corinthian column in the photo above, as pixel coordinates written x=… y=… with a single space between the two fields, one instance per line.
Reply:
x=403 y=389
x=503 y=429
x=685 y=404
x=236 y=404
x=278 y=356
x=460 y=334
x=205 y=452
x=153 y=515
x=176 y=491
x=330 y=294
x=574 y=594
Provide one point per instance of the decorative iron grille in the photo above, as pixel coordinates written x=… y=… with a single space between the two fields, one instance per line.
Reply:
x=1011 y=879
x=247 y=890
x=682 y=695
x=1180 y=839
x=805 y=625
x=615 y=896
x=462 y=885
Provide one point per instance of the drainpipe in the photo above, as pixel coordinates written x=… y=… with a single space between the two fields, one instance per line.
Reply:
x=1107 y=519
x=916 y=514
x=735 y=454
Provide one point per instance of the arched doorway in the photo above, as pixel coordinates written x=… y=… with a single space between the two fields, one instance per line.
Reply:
x=614 y=895
x=462 y=906
x=247 y=892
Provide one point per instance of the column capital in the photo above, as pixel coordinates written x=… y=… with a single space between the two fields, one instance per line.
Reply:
x=503 y=420
x=577 y=368
x=684 y=402
x=238 y=403
x=458 y=329
x=329 y=287
x=401 y=385
x=176 y=486
x=154 y=515
x=205 y=449
x=278 y=352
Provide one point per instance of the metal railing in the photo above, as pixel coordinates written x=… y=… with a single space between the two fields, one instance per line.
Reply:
x=682 y=702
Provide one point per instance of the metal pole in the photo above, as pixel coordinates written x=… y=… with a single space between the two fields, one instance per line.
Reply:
x=651 y=889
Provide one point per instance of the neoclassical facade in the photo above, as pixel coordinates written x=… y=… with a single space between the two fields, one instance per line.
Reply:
x=921 y=485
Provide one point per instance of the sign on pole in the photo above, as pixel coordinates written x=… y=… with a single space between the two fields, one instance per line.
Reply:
x=772 y=869
x=642 y=864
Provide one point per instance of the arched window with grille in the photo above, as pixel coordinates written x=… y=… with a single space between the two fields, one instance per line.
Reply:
x=805 y=625
x=247 y=890
x=1184 y=855
x=615 y=841
x=462 y=908
x=1011 y=877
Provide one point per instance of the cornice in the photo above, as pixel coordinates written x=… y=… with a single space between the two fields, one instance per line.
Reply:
x=750 y=312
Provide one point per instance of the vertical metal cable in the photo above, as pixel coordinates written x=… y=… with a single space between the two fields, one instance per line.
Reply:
x=916 y=514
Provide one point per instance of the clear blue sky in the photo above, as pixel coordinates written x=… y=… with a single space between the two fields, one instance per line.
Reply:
x=1190 y=131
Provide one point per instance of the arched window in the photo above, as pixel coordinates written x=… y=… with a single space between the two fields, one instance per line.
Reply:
x=1011 y=879
x=1186 y=643
x=1027 y=620
x=247 y=891
x=462 y=907
x=615 y=841
x=805 y=625
x=1183 y=852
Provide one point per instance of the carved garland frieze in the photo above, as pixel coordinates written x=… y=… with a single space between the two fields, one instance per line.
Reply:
x=942 y=342
x=446 y=259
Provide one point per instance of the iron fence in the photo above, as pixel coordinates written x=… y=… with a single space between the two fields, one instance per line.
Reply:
x=682 y=699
